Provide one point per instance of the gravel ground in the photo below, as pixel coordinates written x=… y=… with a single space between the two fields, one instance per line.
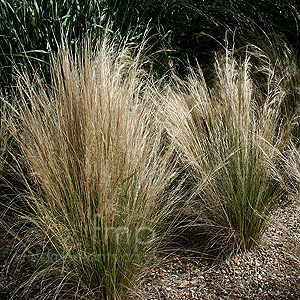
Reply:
x=270 y=271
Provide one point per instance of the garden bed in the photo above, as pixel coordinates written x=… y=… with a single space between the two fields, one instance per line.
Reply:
x=270 y=271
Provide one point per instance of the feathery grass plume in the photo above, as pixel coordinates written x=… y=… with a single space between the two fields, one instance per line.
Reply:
x=93 y=143
x=274 y=67
x=227 y=140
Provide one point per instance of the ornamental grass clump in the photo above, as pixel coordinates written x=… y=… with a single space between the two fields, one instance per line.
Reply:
x=92 y=142
x=227 y=141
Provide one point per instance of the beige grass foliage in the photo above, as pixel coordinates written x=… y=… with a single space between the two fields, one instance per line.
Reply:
x=230 y=141
x=92 y=141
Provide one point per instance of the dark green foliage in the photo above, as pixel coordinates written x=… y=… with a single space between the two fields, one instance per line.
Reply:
x=31 y=28
x=199 y=27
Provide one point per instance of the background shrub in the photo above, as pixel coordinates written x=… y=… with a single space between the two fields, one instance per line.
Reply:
x=31 y=28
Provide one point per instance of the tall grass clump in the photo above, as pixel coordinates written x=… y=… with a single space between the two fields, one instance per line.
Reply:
x=92 y=141
x=227 y=140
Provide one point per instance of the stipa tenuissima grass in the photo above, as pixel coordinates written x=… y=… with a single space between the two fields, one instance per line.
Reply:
x=93 y=144
x=227 y=141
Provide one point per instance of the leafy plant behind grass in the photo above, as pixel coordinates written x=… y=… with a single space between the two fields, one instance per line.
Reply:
x=30 y=29
x=227 y=139
x=93 y=144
